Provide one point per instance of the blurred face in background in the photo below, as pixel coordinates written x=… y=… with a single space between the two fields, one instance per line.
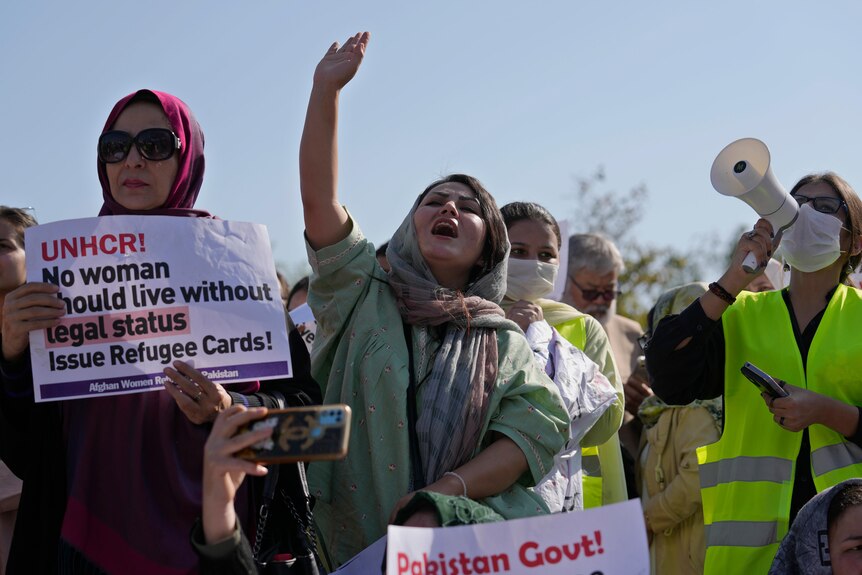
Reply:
x=845 y=542
x=592 y=292
x=13 y=272
x=299 y=297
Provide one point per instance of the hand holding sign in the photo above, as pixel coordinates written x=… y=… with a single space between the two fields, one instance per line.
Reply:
x=200 y=399
x=29 y=307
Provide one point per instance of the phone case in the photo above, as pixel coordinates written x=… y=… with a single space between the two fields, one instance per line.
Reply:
x=313 y=433
x=765 y=382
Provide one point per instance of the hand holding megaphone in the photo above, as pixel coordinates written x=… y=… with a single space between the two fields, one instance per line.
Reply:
x=742 y=170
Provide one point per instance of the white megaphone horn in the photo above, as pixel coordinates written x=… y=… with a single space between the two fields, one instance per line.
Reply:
x=742 y=170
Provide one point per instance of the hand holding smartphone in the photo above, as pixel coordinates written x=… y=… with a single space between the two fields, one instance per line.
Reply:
x=313 y=433
x=765 y=382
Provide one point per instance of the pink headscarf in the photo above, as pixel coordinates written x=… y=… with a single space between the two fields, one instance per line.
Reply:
x=190 y=173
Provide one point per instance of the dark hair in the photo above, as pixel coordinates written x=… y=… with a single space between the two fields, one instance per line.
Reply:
x=854 y=209
x=518 y=211
x=381 y=251
x=496 y=241
x=847 y=496
x=300 y=285
x=145 y=96
x=20 y=220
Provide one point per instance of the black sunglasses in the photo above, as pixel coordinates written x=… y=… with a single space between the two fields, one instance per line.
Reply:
x=155 y=144
x=825 y=205
x=593 y=294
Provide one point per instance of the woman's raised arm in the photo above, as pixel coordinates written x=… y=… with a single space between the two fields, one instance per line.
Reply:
x=325 y=219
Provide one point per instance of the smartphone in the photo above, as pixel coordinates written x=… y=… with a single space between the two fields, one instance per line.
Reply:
x=765 y=382
x=310 y=433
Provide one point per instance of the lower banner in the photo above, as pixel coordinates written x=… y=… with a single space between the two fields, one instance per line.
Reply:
x=609 y=540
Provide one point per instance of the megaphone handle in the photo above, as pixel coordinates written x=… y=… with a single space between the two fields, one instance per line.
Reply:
x=749 y=264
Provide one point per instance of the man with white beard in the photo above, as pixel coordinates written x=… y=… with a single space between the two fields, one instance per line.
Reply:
x=594 y=268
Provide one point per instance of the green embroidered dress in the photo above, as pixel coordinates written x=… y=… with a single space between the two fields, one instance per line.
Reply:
x=360 y=358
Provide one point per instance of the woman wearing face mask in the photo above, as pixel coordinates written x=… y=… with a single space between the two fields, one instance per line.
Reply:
x=553 y=328
x=774 y=454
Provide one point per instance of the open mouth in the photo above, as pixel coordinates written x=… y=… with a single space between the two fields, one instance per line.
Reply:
x=445 y=228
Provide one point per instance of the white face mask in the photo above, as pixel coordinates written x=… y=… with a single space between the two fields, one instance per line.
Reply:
x=813 y=242
x=529 y=279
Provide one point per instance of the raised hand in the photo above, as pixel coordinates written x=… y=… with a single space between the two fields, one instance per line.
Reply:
x=524 y=313
x=28 y=307
x=340 y=64
x=200 y=399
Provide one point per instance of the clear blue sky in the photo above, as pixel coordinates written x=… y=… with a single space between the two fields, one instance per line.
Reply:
x=523 y=95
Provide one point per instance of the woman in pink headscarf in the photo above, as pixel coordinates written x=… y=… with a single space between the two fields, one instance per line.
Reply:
x=132 y=464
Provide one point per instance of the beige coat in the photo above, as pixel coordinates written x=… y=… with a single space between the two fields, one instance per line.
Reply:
x=672 y=501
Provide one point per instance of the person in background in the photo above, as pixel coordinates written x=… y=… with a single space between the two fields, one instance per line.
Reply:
x=667 y=472
x=13 y=274
x=298 y=294
x=454 y=421
x=769 y=280
x=592 y=286
x=775 y=453
x=826 y=537
x=381 y=256
x=572 y=347
x=284 y=289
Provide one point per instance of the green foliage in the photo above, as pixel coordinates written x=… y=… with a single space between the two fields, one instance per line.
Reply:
x=649 y=269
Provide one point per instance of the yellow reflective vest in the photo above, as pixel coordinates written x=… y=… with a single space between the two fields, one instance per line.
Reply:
x=607 y=457
x=747 y=475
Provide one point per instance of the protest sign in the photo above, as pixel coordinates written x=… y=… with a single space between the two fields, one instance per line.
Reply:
x=143 y=291
x=305 y=324
x=608 y=540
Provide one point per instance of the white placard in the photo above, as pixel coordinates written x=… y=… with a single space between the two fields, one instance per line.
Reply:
x=608 y=540
x=143 y=291
x=305 y=324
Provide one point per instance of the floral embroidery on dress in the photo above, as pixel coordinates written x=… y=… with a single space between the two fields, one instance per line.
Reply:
x=392 y=467
x=320 y=263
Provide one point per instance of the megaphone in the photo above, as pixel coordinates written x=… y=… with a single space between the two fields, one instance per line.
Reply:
x=742 y=170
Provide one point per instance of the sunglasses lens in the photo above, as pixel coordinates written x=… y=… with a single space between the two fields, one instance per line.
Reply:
x=113 y=146
x=156 y=143
x=826 y=205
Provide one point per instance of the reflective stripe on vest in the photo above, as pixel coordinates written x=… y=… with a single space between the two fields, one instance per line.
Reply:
x=741 y=533
x=592 y=477
x=576 y=334
x=591 y=464
x=774 y=469
x=833 y=457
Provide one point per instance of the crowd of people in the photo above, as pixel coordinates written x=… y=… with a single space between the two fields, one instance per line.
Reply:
x=476 y=398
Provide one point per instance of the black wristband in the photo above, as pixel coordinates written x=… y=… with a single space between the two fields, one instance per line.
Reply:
x=721 y=293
